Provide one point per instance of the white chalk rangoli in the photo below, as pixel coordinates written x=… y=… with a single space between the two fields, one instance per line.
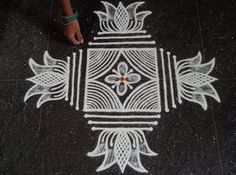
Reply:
x=122 y=79
x=126 y=87
x=122 y=19
x=100 y=97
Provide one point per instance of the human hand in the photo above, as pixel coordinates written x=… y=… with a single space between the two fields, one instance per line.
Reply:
x=72 y=32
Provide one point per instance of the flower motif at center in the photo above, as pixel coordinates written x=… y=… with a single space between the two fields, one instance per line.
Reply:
x=122 y=79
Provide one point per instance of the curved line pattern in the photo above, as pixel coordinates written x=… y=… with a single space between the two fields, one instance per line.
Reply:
x=143 y=61
x=99 y=94
x=96 y=94
x=142 y=97
x=100 y=62
x=95 y=60
x=146 y=97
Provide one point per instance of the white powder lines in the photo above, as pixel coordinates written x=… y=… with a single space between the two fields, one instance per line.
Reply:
x=124 y=116
x=79 y=78
x=73 y=80
x=194 y=81
x=120 y=43
x=104 y=95
x=123 y=128
x=123 y=33
x=122 y=37
x=68 y=79
x=121 y=123
x=164 y=80
x=177 y=80
x=122 y=91
x=51 y=80
x=171 y=81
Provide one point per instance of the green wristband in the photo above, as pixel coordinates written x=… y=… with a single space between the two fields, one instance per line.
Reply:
x=68 y=19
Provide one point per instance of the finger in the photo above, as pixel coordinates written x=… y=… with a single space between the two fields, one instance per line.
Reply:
x=73 y=40
x=79 y=37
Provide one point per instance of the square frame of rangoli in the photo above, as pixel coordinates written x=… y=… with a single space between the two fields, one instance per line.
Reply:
x=101 y=98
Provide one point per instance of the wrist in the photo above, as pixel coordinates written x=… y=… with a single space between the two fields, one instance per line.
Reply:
x=67 y=13
x=67 y=19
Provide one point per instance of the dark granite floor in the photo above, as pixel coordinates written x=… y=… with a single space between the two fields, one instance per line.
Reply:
x=55 y=139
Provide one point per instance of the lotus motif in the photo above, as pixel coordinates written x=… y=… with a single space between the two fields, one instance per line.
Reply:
x=50 y=80
x=122 y=147
x=122 y=19
x=194 y=81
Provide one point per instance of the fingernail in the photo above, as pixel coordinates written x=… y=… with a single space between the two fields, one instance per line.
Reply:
x=82 y=41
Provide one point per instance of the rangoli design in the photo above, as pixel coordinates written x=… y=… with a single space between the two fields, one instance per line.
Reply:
x=122 y=79
x=128 y=84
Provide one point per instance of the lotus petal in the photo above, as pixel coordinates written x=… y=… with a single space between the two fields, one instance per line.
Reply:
x=208 y=90
x=110 y=10
x=109 y=159
x=47 y=79
x=143 y=145
x=132 y=9
x=203 y=68
x=192 y=61
x=199 y=99
x=103 y=20
x=35 y=90
x=196 y=79
x=102 y=16
x=135 y=162
x=37 y=69
x=121 y=18
x=48 y=97
x=142 y=15
x=49 y=61
x=100 y=148
x=140 y=20
x=122 y=150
